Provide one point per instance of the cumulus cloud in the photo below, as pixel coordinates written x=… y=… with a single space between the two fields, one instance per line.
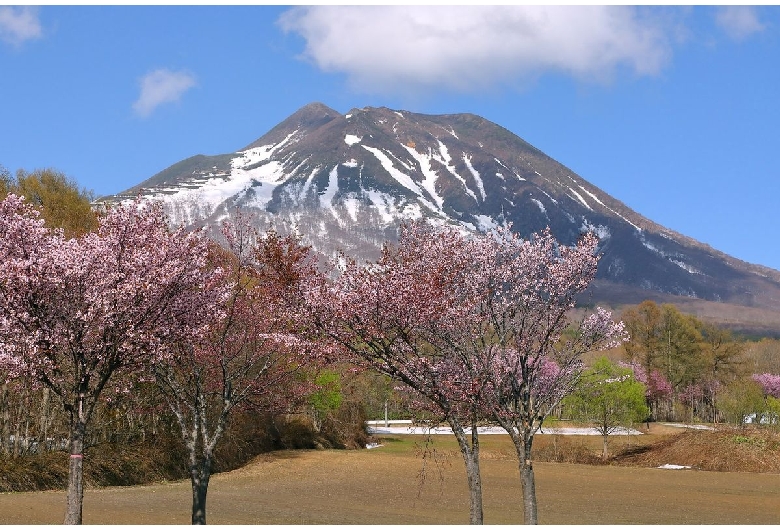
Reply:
x=159 y=87
x=739 y=22
x=19 y=24
x=469 y=48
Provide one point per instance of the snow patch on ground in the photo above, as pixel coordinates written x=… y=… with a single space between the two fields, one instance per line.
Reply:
x=690 y=426
x=586 y=431
x=673 y=466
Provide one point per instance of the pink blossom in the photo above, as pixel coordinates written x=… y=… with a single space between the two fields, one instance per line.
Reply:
x=770 y=384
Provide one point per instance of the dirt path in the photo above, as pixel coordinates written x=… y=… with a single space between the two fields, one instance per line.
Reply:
x=381 y=486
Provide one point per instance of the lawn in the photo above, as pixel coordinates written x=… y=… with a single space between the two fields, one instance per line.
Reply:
x=385 y=486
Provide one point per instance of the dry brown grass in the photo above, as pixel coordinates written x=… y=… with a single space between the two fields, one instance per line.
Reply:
x=383 y=486
x=727 y=449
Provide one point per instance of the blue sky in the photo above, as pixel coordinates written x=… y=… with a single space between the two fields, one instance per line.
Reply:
x=673 y=110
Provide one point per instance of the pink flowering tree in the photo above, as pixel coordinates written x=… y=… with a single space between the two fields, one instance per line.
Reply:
x=75 y=312
x=770 y=383
x=253 y=352
x=657 y=387
x=409 y=316
x=532 y=288
x=690 y=397
x=476 y=327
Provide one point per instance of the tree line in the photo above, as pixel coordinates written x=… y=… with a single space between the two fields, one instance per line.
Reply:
x=104 y=317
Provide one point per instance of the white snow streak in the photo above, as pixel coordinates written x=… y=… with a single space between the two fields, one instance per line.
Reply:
x=402 y=178
x=580 y=198
x=326 y=199
x=540 y=205
x=475 y=174
x=387 y=209
x=308 y=181
x=507 y=168
x=607 y=207
x=352 y=204
x=429 y=183
x=445 y=159
x=190 y=204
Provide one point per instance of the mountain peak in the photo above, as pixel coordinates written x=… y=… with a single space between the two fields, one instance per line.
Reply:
x=345 y=182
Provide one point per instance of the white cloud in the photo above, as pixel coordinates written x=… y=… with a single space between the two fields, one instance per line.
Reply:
x=19 y=24
x=739 y=22
x=469 y=48
x=159 y=87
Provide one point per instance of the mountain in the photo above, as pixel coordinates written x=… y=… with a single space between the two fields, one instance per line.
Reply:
x=346 y=181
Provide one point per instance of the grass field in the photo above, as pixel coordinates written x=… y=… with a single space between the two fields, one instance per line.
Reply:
x=384 y=486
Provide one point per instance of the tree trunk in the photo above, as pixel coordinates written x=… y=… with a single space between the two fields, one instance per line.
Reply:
x=43 y=429
x=200 y=475
x=528 y=482
x=475 y=489
x=5 y=430
x=605 y=452
x=523 y=443
x=75 y=496
x=471 y=459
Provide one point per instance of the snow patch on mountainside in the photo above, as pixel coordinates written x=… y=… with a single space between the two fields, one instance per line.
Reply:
x=672 y=258
x=388 y=210
x=475 y=174
x=402 y=178
x=252 y=175
x=579 y=197
x=429 y=182
x=445 y=160
x=351 y=139
x=326 y=197
x=601 y=231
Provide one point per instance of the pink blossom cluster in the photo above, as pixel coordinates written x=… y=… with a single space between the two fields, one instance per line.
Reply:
x=770 y=384
x=656 y=385
x=74 y=311
x=471 y=323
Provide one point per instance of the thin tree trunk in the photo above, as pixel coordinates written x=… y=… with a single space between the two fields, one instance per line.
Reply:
x=470 y=455
x=605 y=452
x=523 y=442
x=200 y=475
x=75 y=497
x=43 y=429
x=528 y=483
x=5 y=444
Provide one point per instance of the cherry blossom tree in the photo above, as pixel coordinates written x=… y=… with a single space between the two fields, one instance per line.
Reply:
x=405 y=316
x=74 y=312
x=475 y=326
x=253 y=353
x=770 y=383
x=533 y=285
x=657 y=388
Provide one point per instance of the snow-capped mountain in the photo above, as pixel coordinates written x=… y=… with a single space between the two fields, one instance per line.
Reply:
x=345 y=181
